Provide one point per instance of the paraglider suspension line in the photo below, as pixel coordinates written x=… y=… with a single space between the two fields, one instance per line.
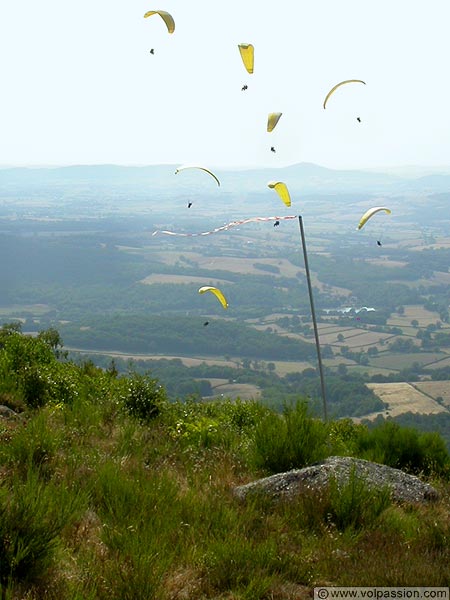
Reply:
x=313 y=314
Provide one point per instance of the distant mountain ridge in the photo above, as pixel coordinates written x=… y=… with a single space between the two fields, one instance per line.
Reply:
x=301 y=177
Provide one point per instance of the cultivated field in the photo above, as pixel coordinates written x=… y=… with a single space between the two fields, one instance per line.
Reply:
x=402 y=397
x=354 y=338
x=414 y=312
x=355 y=368
x=338 y=360
x=325 y=328
x=398 y=361
x=242 y=265
x=445 y=362
x=187 y=361
x=282 y=367
x=385 y=262
x=166 y=278
x=34 y=309
x=244 y=391
x=440 y=243
x=276 y=329
x=435 y=389
x=245 y=266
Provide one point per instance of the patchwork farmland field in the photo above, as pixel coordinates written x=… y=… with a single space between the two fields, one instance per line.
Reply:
x=417 y=313
x=167 y=278
x=354 y=338
x=188 y=361
x=401 y=398
x=445 y=362
x=399 y=361
x=363 y=369
x=244 y=391
x=435 y=389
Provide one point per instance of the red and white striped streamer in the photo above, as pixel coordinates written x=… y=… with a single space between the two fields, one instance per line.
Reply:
x=226 y=227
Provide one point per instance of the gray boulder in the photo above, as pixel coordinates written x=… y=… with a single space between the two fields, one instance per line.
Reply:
x=316 y=477
x=8 y=413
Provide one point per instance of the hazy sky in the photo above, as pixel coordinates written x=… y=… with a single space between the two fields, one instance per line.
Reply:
x=79 y=85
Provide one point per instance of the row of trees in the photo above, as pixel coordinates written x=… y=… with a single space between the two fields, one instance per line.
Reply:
x=183 y=335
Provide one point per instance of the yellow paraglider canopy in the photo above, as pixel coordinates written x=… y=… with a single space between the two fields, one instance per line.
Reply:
x=165 y=16
x=368 y=214
x=272 y=120
x=248 y=56
x=183 y=167
x=281 y=190
x=216 y=292
x=334 y=88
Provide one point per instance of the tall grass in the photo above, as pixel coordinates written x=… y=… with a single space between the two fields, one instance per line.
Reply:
x=32 y=516
x=169 y=528
x=33 y=447
x=101 y=501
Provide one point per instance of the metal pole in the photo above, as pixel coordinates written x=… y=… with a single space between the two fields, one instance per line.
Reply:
x=313 y=314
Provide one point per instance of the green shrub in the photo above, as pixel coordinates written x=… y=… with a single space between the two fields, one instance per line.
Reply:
x=242 y=415
x=55 y=382
x=34 y=385
x=8 y=385
x=225 y=424
x=143 y=397
x=404 y=448
x=342 y=437
x=291 y=440
x=354 y=505
x=24 y=351
x=203 y=433
x=436 y=458
x=29 y=369
x=64 y=385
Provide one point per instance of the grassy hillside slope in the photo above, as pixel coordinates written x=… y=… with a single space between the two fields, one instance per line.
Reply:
x=110 y=491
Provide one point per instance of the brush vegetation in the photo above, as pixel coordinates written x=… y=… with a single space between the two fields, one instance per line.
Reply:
x=108 y=491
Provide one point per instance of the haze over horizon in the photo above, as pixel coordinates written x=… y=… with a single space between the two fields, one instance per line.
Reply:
x=411 y=170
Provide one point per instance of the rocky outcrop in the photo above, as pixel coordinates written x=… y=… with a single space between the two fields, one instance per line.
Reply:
x=404 y=487
x=8 y=413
